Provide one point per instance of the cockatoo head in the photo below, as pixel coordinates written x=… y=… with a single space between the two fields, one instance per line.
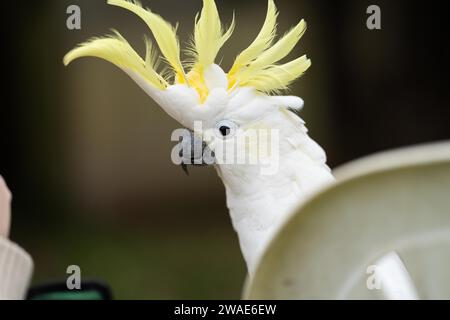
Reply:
x=199 y=94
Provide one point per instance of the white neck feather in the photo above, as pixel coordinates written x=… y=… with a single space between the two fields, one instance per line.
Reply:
x=259 y=204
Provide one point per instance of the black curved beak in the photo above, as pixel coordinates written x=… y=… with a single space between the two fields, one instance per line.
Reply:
x=194 y=151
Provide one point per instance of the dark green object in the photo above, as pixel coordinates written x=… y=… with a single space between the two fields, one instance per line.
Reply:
x=92 y=290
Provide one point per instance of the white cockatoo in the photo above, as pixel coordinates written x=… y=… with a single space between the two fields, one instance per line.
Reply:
x=230 y=107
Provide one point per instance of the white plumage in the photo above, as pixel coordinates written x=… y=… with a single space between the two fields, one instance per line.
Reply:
x=258 y=202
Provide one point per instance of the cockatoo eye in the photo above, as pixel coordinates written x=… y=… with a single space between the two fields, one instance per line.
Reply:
x=226 y=128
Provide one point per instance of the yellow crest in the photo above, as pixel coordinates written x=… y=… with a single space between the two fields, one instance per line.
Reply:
x=255 y=67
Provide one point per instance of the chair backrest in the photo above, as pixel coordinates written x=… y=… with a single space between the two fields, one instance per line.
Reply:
x=382 y=231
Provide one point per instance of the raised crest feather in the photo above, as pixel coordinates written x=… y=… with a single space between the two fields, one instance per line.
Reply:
x=209 y=35
x=116 y=50
x=164 y=33
x=261 y=43
x=256 y=66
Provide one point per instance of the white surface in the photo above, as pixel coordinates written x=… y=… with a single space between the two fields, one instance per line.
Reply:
x=395 y=201
x=395 y=281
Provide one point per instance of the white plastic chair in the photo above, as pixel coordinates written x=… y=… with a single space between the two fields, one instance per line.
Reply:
x=382 y=231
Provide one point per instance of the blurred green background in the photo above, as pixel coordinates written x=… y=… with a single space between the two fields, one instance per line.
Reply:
x=87 y=153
